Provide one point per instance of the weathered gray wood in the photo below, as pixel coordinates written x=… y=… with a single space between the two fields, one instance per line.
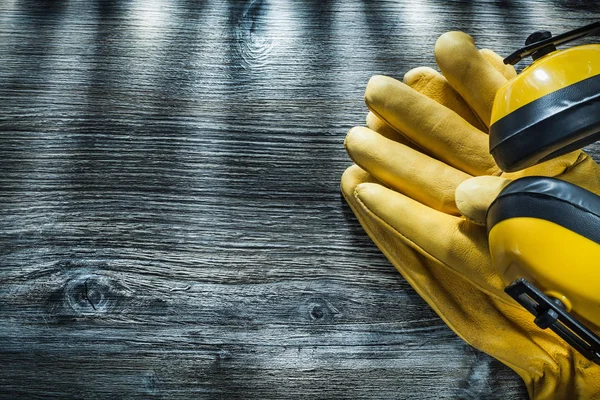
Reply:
x=171 y=225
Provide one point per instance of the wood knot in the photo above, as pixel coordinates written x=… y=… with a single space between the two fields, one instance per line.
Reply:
x=320 y=310
x=254 y=45
x=81 y=290
x=89 y=294
x=317 y=312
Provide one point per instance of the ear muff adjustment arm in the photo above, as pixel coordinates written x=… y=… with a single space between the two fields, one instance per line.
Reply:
x=550 y=314
x=539 y=36
x=540 y=40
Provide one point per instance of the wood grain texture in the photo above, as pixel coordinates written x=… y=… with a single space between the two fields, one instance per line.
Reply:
x=171 y=224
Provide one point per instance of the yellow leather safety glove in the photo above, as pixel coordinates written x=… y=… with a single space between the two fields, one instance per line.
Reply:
x=420 y=188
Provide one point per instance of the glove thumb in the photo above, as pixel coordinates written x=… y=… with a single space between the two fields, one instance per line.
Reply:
x=474 y=196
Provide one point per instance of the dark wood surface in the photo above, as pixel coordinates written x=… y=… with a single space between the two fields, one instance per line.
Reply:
x=171 y=224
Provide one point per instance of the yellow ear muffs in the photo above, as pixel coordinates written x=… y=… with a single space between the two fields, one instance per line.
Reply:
x=552 y=107
x=547 y=231
x=544 y=233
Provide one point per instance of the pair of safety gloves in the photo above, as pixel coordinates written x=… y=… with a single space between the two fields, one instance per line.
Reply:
x=421 y=187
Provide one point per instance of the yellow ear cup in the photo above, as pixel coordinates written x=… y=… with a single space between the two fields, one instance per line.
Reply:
x=553 y=72
x=561 y=263
x=549 y=109
x=547 y=231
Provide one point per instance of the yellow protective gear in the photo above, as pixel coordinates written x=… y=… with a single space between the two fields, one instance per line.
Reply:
x=414 y=192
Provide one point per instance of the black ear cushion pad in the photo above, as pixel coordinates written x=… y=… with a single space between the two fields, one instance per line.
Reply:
x=555 y=124
x=549 y=199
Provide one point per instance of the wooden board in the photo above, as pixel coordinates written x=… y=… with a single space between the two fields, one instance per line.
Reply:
x=171 y=223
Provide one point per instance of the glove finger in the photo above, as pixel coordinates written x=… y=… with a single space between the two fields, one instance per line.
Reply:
x=474 y=196
x=468 y=72
x=434 y=234
x=352 y=177
x=583 y=172
x=507 y=70
x=404 y=169
x=378 y=125
x=432 y=84
x=436 y=128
